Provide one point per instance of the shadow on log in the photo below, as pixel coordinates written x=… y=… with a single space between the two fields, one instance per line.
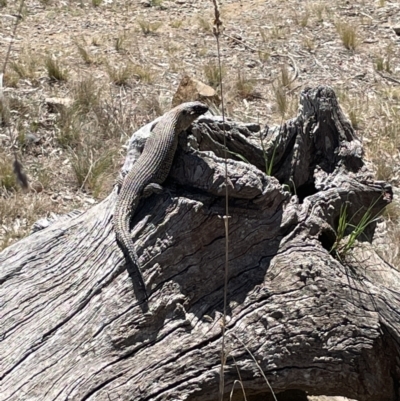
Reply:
x=316 y=321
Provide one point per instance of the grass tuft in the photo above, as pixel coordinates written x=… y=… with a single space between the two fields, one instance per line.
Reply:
x=245 y=86
x=156 y=3
x=343 y=244
x=86 y=95
x=8 y=181
x=90 y=168
x=148 y=27
x=120 y=42
x=120 y=76
x=308 y=43
x=176 y=24
x=319 y=10
x=281 y=100
x=213 y=74
x=204 y=24
x=382 y=64
x=303 y=18
x=348 y=35
x=68 y=128
x=142 y=73
x=26 y=66
x=263 y=56
x=86 y=55
x=5 y=115
x=285 y=79
x=54 y=70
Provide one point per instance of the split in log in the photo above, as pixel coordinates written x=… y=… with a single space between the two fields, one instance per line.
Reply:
x=317 y=316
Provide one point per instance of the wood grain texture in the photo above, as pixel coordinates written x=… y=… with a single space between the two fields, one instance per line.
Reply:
x=71 y=328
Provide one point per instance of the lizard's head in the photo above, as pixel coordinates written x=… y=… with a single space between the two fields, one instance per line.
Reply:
x=188 y=112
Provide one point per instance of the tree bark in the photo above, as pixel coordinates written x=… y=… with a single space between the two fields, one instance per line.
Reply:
x=309 y=313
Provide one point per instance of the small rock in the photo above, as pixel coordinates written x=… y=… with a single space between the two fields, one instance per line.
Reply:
x=56 y=104
x=31 y=138
x=36 y=186
x=397 y=30
x=145 y=3
x=251 y=64
x=191 y=89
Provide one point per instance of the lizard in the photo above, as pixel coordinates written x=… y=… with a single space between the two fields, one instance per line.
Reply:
x=150 y=170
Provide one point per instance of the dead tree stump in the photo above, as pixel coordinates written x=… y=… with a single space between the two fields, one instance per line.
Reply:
x=316 y=320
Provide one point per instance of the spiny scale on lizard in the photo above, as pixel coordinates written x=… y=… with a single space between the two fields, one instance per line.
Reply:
x=150 y=170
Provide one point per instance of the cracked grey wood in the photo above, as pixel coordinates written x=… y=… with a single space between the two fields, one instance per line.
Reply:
x=71 y=327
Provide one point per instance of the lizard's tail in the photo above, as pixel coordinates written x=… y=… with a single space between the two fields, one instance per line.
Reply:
x=124 y=240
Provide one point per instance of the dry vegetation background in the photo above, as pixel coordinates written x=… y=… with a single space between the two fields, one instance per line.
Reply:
x=116 y=64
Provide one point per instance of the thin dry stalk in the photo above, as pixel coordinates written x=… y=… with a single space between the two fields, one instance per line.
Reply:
x=240 y=381
x=258 y=365
x=21 y=6
x=217 y=31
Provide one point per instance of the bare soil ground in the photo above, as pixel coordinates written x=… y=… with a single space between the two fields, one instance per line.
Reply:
x=117 y=65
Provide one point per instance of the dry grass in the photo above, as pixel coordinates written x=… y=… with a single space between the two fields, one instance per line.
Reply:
x=5 y=116
x=156 y=3
x=205 y=24
x=245 y=87
x=309 y=43
x=383 y=150
x=176 y=23
x=68 y=129
x=318 y=9
x=382 y=64
x=213 y=74
x=8 y=181
x=54 y=70
x=263 y=56
x=148 y=27
x=392 y=217
x=120 y=42
x=26 y=66
x=91 y=168
x=356 y=108
x=348 y=35
x=303 y=18
x=18 y=213
x=282 y=101
x=285 y=79
x=86 y=55
x=86 y=95
x=142 y=73
x=120 y=75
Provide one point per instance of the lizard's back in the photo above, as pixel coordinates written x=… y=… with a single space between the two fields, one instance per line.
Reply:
x=152 y=167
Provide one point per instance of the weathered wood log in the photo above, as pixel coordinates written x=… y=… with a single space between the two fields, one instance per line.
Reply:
x=316 y=320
